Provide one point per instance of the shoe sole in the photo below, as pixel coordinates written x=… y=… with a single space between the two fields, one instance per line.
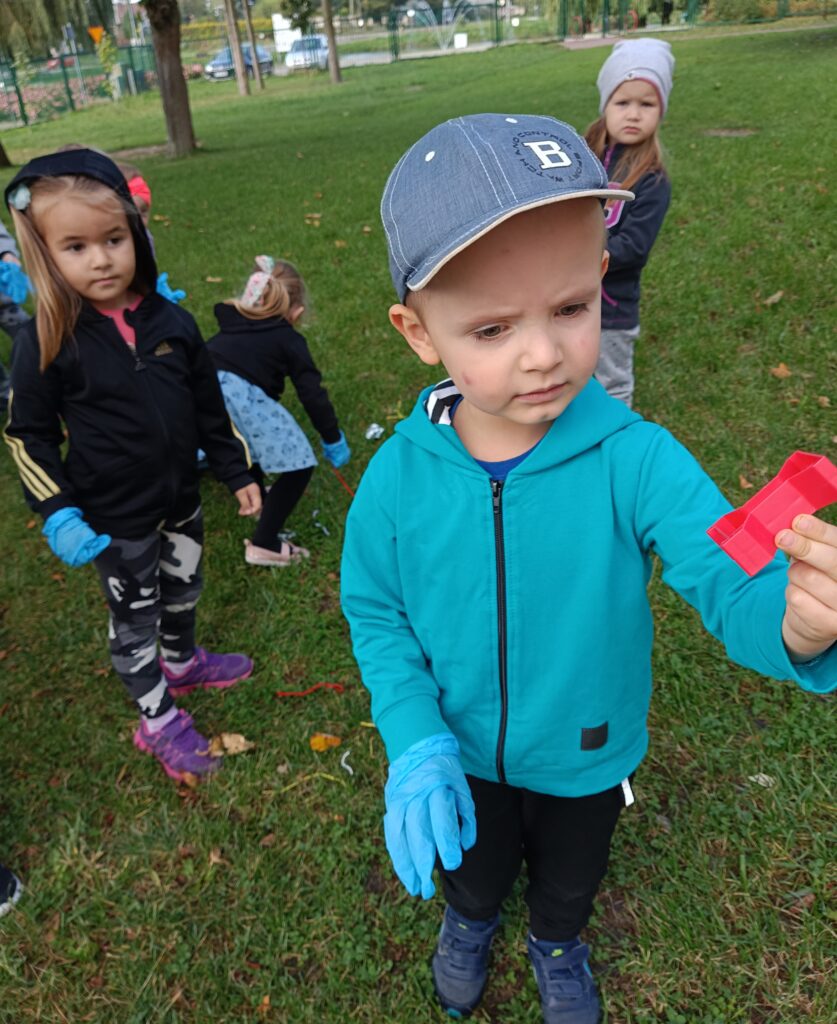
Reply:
x=15 y=896
x=172 y=773
x=456 y=1012
x=213 y=684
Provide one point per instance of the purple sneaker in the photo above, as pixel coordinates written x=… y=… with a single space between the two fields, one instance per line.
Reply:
x=209 y=672
x=178 y=746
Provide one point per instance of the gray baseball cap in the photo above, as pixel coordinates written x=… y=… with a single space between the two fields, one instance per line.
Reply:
x=467 y=175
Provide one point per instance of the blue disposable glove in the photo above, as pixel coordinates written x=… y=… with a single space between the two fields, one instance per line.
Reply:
x=338 y=453
x=72 y=539
x=13 y=282
x=429 y=808
x=164 y=289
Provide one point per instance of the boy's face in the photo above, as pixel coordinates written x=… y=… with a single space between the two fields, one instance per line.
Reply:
x=515 y=320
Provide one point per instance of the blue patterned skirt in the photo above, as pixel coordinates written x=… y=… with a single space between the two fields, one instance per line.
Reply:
x=275 y=439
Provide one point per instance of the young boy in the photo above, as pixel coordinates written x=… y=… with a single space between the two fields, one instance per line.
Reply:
x=498 y=551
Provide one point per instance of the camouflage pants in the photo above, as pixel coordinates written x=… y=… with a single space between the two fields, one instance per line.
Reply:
x=152 y=586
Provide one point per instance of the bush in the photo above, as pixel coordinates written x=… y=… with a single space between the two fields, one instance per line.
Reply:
x=738 y=10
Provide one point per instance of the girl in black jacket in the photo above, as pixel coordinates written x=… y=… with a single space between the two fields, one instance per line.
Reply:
x=125 y=375
x=256 y=348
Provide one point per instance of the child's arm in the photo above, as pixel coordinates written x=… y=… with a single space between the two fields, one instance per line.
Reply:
x=307 y=380
x=34 y=436
x=229 y=457
x=676 y=503
x=809 y=627
x=630 y=246
x=429 y=807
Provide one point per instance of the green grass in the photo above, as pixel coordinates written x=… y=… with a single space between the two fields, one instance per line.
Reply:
x=267 y=895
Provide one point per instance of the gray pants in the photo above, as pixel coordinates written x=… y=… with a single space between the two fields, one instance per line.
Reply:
x=152 y=586
x=615 y=369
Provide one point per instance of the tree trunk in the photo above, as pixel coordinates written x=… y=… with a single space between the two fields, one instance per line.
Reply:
x=235 y=49
x=4 y=157
x=333 y=60
x=254 y=57
x=164 y=16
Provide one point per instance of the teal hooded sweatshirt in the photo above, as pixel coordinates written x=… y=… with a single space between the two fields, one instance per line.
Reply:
x=517 y=616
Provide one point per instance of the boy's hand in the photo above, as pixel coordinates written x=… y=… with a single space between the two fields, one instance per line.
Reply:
x=249 y=500
x=810 y=623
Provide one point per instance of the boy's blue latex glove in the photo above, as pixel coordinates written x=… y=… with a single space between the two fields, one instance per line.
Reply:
x=338 y=453
x=13 y=282
x=164 y=289
x=429 y=808
x=72 y=539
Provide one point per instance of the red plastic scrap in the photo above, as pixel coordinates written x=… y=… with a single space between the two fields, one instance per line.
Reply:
x=805 y=483
x=337 y=687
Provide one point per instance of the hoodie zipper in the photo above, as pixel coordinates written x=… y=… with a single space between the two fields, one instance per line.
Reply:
x=499 y=553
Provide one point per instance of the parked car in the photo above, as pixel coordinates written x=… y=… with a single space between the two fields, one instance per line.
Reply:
x=221 y=65
x=308 y=52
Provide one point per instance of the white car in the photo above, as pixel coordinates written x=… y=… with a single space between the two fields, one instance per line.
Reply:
x=308 y=52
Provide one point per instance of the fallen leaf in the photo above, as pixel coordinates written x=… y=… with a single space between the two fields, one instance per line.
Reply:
x=824 y=401
x=101 y=671
x=31 y=524
x=771 y=300
x=229 y=743
x=366 y=229
x=264 y=1005
x=268 y=840
x=318 y=195
x=188 y=780
x=766 y=781
x=216 y=858
x=744 y=483
x=781 y=371
x=321 y=741
x=214 y=280
x=3 y=655
x=340 y=244
x=58 y=577
x=299 y=155
x=53 y=921
x=283 y=769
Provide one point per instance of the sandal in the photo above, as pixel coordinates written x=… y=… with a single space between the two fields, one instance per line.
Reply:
x=287 y=555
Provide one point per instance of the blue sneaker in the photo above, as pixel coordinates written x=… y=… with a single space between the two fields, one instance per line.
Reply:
x=460 y=963
x=568 y=992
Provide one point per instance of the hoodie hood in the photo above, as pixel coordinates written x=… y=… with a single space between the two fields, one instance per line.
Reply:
x=90 y=164
x=587 y=421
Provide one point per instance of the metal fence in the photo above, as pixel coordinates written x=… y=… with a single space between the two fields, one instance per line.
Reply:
x=40 y=89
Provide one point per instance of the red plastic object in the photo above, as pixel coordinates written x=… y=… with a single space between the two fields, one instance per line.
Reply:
x=805 y=483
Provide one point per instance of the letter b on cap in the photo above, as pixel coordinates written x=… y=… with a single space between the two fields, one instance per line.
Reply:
x=549 y=153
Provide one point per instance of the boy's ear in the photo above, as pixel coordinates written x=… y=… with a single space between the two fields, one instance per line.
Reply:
x=605 y=261
x=406 y=321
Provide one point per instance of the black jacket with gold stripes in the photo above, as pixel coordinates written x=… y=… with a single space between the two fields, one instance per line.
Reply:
x=133 y=421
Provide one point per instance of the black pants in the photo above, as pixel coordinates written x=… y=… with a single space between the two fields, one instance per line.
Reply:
x=565 y=842
x=277 y=504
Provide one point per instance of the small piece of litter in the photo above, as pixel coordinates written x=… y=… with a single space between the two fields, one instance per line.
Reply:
x=344 y=762
x=762 y=780
x=322 y=741
x=374 y=432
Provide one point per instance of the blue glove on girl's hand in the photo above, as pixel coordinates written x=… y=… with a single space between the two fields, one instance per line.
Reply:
x=165 y=289
x=72 y=539
x=429 y=808
x=338 y=453
x=13 y=282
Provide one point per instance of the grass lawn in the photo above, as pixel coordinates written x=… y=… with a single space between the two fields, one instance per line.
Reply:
x=267 y=895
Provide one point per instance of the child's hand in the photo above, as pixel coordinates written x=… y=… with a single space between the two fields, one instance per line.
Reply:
x=338 y=452
x=810 y=623
x=249 y=500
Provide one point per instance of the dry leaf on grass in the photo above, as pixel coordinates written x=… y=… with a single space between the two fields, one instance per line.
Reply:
x=321 y=741
x=189 y=780
x=744 y=483
x=229 y=743
x=781 y=371
x=268 y=840
x=824 y=401
x=264 y=1007
x=340 y=244
x=31 y=524
x=771 y=300
x=366 y=229
x=214 y=280
x=215 y=857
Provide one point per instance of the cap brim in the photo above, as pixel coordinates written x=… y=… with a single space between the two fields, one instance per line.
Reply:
x=437 y=264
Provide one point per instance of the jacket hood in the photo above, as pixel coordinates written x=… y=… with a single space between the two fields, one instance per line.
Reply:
x=590 y=418
x=89 y=163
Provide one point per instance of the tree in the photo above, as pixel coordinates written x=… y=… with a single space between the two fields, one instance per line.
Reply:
x=333 y=59
x=300 y=13
x=164 y=18
x=4 y=157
